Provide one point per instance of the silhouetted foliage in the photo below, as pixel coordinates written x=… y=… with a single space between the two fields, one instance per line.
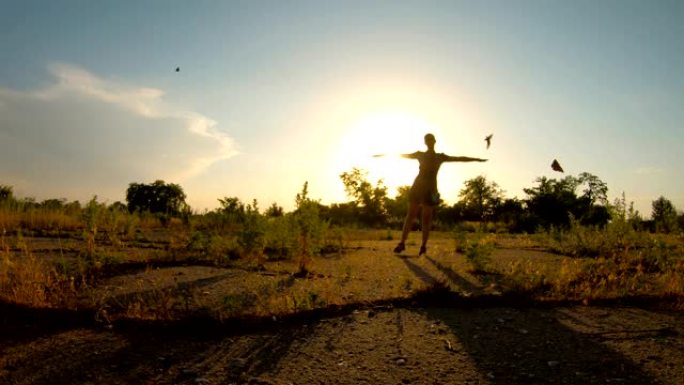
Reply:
x=158 y=197
x=228 y=216
x=6 y=193
x=664 y=215
x=370 y=199
x=396 y=207
x=479 y=198
x=232 y=206
x=118 y=207
x=252 y=235
x=341 y=214
x=512 y=213
x=28 y=203
x=554 y=202
x=625 y=215
x=73 y=207
x=595 y=190
x=310 y=226
x=53 y=204
x=274 y=211
x=447 y=216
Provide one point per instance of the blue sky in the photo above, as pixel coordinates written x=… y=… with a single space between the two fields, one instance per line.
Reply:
x=271 y=94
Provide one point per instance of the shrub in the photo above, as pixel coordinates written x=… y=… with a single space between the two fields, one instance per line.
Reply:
x=310 y=228
x=29 y=281
x=477 y=249
x=251 y=236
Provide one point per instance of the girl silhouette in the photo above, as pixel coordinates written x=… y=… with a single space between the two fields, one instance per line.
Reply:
x=424 y=193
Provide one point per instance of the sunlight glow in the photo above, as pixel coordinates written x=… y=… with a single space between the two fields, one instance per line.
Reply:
x=388 y=132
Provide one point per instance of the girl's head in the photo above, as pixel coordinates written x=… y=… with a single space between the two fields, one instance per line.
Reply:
x=430 y=140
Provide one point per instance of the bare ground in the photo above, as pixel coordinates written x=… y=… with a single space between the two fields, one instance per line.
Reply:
x=375 y=327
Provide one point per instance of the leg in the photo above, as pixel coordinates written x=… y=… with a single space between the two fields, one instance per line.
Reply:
x=426 y=224
x=411 y=215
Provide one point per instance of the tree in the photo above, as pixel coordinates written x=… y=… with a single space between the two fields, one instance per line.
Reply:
x=371 y=199
x=553 y=202
x=6 y=193
x=594 y=188
x=664 y=215
x=118 y=207
x=512 y=213
x=231 y=212
x=396 y=207
x=274 y=211
x=480 y=198
x=158 y=197
x=625 y=215
x=550 y=201
x=53 y=204
x=231 y=206
x=340 y=214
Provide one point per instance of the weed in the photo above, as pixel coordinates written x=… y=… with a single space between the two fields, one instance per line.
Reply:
x=407 y=283
x=477 y=249
x=236 y=304
x=336 y=240
x=218 y=249
x=281 y=237
x=307 y=300
x=29 y=281
x=251 y=236
x=310 y=229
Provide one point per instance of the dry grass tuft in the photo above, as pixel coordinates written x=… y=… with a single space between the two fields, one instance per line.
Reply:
x=29 y=281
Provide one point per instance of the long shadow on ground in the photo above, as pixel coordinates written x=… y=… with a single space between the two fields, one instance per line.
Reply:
x=509 y=339
x=528 y=346
x=136 y=352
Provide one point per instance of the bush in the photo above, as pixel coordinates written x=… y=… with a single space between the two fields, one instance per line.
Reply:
x=477 y=249
x=251 y=236
x=310 y=228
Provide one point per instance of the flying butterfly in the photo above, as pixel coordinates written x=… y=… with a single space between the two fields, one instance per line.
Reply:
x=488 y=139
x=556 y=166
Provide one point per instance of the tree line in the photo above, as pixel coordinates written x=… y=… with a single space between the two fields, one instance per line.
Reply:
x=548 y=203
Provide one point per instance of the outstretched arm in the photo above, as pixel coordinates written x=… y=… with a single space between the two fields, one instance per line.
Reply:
x=413 y=155
x=409 y=156
x=463 y=159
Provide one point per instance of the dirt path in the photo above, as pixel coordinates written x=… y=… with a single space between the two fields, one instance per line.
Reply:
x=497 y=345
x=372 y=328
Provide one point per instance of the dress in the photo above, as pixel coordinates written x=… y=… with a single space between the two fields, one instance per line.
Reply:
x=424 y=190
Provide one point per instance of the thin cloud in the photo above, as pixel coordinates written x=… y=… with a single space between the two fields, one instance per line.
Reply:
x=101 y=134
x=140 y=100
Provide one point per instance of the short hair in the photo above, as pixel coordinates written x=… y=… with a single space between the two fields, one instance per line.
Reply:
x=429 y=137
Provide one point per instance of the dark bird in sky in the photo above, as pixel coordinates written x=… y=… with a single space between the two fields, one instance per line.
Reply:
x=556 y=166
x=488 y=139
x=177 y=69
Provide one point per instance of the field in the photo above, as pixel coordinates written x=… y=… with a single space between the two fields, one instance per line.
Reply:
x=157 y=305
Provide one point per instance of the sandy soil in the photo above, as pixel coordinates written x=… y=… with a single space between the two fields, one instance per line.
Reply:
x=492 y=345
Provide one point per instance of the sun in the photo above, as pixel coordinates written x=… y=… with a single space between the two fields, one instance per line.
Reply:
x=390 y=133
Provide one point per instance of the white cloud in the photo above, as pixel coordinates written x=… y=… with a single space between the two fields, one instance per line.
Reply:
x=140 y=100
x=87 y=133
